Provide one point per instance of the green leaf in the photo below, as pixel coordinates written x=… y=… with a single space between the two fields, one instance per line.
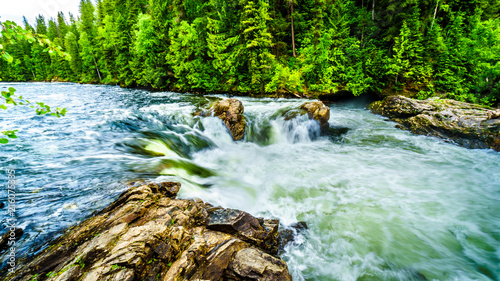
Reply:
x=3 y=107
x=10 y=101
x=4 y=141
x=12 y=90
x=7 y=57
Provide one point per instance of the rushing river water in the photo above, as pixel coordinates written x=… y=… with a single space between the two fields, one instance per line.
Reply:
x=380 y=203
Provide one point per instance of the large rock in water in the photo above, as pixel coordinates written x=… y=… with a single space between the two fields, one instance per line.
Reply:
x=318 y=111
x=469 y=125
x=146 y=234
x=230 y=111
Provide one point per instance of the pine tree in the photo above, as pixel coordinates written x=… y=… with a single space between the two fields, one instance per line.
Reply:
x=62 y=26
x=40 y=25
x=257 y=44
x=52 y=30
x=188 y=50
x=72 y=47
x=407 y=67
x=225 y=43
x=87 y=41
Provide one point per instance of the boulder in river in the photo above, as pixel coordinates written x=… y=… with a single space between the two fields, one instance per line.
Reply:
x=318 y=111
x=147 y=234
x=469 y=125
x=230 y=111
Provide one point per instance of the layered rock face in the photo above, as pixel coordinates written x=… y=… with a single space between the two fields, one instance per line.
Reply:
x=468 y=125
x=147 y=234
x=230 y=111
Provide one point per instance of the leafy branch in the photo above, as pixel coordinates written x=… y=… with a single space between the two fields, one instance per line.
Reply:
x=12 y=32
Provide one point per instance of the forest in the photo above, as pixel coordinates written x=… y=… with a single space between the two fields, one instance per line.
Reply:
x=445 y=48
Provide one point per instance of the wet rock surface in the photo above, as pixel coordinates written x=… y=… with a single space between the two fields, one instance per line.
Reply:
x=315 y=110
x=147 y=234
x=318 y=111
x=230 y=111
x=11 y=235
x=288 y=234
x=469 y=125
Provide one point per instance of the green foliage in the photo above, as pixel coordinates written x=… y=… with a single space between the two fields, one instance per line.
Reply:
x=448 y=48
x=406 y=69
x=11 y=31
x=257 y=44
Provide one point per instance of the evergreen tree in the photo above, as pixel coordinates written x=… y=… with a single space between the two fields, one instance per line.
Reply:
x=305 y=48
x=224 y=43
x=257 y=42
x=407 y=67
x=40 y=25
x=72 y=47
x=88 y=52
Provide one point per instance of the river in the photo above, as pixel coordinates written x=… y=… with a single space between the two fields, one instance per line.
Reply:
x=380 y=203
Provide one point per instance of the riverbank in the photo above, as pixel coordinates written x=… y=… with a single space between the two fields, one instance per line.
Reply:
x=147 y=234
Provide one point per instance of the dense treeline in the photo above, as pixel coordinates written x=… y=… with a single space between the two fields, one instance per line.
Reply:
x=420 y=48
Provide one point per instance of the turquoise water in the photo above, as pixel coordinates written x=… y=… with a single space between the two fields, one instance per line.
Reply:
x=380 y=203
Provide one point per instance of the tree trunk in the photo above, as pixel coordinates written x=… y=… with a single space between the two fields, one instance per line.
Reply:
x=97 y=68
x=435 y=12
x=373 y=10
x=293 y=32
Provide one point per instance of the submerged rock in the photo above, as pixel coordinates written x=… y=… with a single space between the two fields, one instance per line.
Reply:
x=469 y=125
x=147 y=234
x=230 y=111
x=315 y=110
x=288 y=234
x=318 y=111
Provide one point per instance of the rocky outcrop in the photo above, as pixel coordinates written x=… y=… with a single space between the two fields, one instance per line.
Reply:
x=469 y=125
x=147 y=234
x=318 y=111
x=230 y=111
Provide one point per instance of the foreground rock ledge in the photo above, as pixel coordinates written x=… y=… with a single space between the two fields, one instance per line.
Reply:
x=469 y=125
x=146 y=234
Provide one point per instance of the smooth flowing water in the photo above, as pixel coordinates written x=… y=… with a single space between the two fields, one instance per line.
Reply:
x=380 y=203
